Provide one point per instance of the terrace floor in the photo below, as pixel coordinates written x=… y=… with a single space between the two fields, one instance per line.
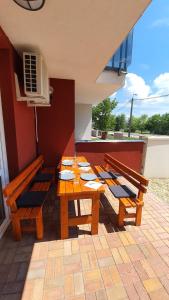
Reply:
x=132 y=263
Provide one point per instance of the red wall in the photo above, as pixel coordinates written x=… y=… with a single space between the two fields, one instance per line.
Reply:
x=19 y=123
x=56 y=123
x=25 y=129
x=130 y=153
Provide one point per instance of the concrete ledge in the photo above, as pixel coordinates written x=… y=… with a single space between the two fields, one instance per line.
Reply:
x=155 y=138
x=110 y=141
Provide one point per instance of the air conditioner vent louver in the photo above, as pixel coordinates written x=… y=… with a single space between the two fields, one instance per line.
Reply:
x=36 y=81
x=30 y=73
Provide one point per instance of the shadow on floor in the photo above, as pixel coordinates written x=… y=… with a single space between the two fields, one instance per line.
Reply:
x=15 y=256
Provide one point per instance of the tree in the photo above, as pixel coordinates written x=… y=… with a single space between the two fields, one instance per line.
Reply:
x=154 y=124
x=134 y=124
x=142 y=122
x=101 y=114
x=158 y=124
x=120 y=122
x=139 y=123
x=112 y=122
x=165 y=124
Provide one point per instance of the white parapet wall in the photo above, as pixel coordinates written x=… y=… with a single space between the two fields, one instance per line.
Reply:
x=83 y=121
x=156 y=157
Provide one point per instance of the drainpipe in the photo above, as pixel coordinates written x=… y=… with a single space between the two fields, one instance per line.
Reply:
x=36 y=131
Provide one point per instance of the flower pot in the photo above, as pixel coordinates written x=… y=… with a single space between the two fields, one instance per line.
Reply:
x=104 y=135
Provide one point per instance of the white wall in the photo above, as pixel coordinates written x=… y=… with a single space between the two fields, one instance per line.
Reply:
x=156 y=157
x=83 y=121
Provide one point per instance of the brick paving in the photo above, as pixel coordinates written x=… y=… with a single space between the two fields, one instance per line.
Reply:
x=127 y=263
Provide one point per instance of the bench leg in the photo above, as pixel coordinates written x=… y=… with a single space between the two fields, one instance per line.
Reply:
x=16 y=228
x=107 y=167
x=138 y=215
x=121 y=214
x=39 y=227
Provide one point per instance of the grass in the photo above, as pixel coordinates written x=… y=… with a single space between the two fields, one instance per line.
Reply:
x=111 y=137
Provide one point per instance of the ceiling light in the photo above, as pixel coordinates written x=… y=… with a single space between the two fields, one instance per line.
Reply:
x=30 y=4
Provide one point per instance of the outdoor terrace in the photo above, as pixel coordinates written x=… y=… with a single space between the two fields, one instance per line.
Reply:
x=131 y=263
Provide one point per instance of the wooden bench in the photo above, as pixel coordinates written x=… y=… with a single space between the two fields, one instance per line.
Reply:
x=139 y=181
x=19 y=186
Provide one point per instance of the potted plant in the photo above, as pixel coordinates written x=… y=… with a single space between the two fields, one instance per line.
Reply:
x=104 y=135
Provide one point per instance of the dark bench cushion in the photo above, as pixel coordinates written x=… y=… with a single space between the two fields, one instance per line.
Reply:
x=42 y=177
x=107 y=175
x=31 y=199
x=122 y=191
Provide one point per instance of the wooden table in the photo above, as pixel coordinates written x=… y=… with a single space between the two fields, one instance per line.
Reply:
x=75 y=190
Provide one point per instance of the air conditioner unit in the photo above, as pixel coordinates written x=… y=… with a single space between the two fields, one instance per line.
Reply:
x=36 y=82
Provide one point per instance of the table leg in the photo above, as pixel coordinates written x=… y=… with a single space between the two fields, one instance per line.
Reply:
x=64 y=217
x=78 y=207
x=95 y=213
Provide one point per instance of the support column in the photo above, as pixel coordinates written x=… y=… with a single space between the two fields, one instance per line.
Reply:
x=83 y=121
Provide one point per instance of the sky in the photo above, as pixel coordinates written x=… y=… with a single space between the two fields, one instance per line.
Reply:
x=148 y=74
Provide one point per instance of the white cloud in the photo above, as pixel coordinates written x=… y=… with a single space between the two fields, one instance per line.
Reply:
x=163 y=22
x=135 y=84
x=160 y=86
x=161 y=83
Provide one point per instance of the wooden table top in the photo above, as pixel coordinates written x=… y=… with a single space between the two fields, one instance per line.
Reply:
x=76 y=186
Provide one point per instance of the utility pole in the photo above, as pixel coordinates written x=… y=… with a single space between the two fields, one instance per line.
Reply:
x=131 y=113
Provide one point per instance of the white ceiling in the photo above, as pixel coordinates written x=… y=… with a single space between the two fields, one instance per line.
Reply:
x=76 y=38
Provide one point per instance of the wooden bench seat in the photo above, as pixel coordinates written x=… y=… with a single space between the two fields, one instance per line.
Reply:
x=137 y=180
x=22 y=185
x=40 y=186
x=49 y=170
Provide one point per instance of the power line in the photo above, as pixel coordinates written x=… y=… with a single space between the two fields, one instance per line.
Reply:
x=122 y=107
x=153 y=97
x=140 y=99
